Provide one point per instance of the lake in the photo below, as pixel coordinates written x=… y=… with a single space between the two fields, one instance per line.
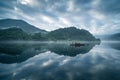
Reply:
x=59 y=61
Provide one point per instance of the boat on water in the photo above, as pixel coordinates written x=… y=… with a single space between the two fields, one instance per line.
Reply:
x=77 y=44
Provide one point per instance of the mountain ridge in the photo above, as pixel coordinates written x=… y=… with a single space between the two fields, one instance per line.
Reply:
x=115 y=36
x=12 y=29
x=71 y=33
x=9 y=23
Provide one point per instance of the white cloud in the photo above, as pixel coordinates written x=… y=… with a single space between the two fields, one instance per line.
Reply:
x=24 y=2
x=31 y=3
x=94 y=28
x=47 y=63
x=95 y=3
x=96 y=15
x=70 y=6
x=64 y=21
x=47 y=19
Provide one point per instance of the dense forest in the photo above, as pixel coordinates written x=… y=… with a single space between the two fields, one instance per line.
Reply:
x=70 y=33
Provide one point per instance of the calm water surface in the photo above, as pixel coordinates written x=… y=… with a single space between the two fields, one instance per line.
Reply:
x=20 y=61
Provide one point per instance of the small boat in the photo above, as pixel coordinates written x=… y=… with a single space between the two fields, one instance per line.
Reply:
x=77 y=44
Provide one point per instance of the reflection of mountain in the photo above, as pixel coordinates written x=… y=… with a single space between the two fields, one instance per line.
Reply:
x=66 y=49
x=115 y=37
x=15 y=53
x=115 y=45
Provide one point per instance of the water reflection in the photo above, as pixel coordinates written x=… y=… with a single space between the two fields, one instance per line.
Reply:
x=100 y=63
x=115 y=45
x=15 y=53
x=66 y=49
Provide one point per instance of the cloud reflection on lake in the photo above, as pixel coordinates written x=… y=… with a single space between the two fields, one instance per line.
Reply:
x=100 y=63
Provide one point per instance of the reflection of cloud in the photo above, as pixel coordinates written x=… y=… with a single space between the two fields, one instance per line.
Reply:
x=47 y=63
x=70 y=76
x=98 y=67
x=64 y=61
x=29 y=64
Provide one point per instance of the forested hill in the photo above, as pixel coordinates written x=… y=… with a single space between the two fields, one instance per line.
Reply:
x=70 y=33
x=10 y=23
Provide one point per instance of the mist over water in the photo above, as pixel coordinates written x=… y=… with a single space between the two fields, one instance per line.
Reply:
x=59 y=61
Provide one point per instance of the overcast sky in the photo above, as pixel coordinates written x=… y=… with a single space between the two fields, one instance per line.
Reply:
x=97 y=16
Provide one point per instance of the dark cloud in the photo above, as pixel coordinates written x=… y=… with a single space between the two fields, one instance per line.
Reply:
x=52 y=14
x=5 y=5
x=7 y=8
x=83 y=1
x=83 y=4
x=9 y=4
x=109 y=7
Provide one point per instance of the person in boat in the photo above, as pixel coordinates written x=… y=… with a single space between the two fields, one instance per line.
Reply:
x=77 y=44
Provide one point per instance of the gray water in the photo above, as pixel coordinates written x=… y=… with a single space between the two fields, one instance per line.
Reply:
x=59 y=61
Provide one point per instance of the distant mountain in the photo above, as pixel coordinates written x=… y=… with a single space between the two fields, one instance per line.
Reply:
x=9 y=23
x=111 y=37
x=71 y=33
x=115 y=36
